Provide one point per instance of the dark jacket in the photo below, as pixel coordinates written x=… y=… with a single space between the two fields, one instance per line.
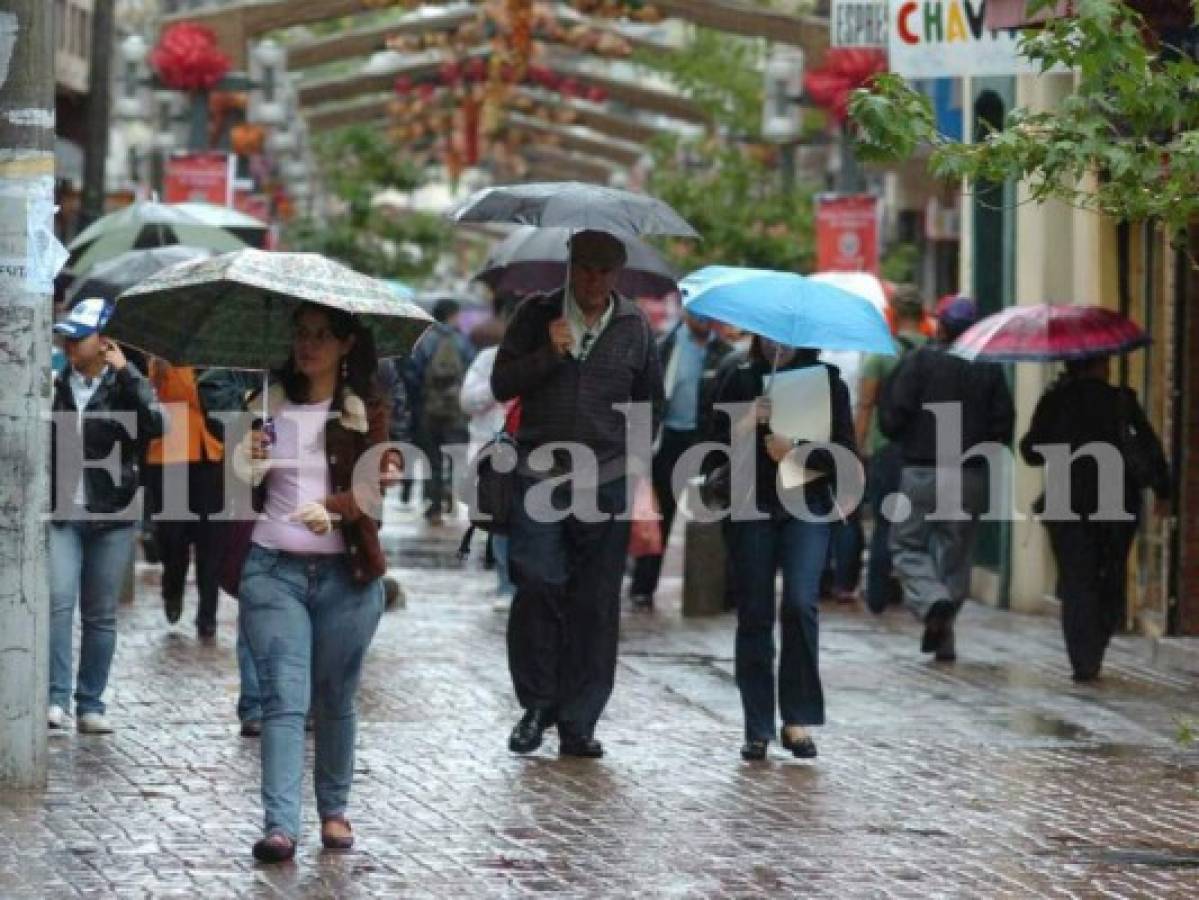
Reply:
x=354 y=427
x=714 y=354
x=931 y=374
x=563 y=399
x=124 y=391
x=1081 y=410
x=413 y=369
x=739 y=380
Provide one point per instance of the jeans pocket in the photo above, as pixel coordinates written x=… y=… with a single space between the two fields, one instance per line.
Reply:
x=259 y=562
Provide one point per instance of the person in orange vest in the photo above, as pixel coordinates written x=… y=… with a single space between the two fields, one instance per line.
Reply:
x=188 y=454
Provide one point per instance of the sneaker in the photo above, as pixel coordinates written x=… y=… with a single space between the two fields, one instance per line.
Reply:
x=56 y=716
x=94 y=723
x=502 y=603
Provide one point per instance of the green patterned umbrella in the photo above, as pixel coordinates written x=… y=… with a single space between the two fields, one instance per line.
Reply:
x=234 y=310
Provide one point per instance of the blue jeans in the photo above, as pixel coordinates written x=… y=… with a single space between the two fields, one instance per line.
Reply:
x=88 y=562
x=758 y=549
x=308 y=625
x=249 y=699
x=499 y=549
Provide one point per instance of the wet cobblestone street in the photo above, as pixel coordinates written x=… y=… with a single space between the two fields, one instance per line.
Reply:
x=996 y=776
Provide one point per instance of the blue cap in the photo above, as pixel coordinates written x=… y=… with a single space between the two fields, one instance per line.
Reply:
x=85 y=318
x=957 y=313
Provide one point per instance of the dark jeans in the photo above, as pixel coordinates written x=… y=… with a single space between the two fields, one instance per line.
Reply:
x=758 y=550
x=1092 y=564
x=882 y=480
x=647 y=569
x=845 y=552
x=564 y=624
x=175 y=539
x=431 y=440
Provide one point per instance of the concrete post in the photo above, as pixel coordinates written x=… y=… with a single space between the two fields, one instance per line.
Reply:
x=26 y=227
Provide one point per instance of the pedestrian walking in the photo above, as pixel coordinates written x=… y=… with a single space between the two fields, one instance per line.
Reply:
x=191 y=457
x=780 y=540
x=487 y=417
x=690 y=355
x=91 y=537
x=884 y=458
x=311 y=593
x=434 y=374
x=933 y=554
x=573 y=358
x=1091 y=547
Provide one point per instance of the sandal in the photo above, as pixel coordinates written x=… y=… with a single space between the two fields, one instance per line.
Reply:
x=276 y=847
x=336 y=841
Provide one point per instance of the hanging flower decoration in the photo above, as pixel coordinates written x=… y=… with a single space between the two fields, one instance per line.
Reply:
x=187 y=58
x=844 y=71
x=637 y=10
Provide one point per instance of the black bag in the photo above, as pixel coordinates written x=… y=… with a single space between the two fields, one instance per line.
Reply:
x=1144 y=460
x=495 y=489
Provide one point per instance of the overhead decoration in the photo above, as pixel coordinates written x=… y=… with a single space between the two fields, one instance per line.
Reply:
x=637 y=10
x=845 y=69
x=188 y=58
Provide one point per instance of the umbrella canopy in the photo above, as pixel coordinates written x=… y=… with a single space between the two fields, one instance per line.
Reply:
x=241 y=225
x=534 y=260
x=110 y=279
x=1045 y=333
x=234 y=311
x=572 y=204
x=140 y=226
x=787 y=308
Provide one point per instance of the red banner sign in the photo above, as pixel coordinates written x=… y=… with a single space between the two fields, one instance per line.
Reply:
x=847 y=233
x=199 y=177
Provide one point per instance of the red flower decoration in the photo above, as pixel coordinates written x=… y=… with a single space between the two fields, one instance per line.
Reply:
x=403 y=85
x=188 y=58
x=597 y=94
x=844 y=71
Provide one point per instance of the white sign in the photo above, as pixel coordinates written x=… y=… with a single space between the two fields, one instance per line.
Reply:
x=858 y=23
x=949 y=39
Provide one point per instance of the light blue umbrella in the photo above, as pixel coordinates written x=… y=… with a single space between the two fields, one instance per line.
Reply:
x=787 y=308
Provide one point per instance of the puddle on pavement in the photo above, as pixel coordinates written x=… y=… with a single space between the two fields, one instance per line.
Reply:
x=1035 y=724
x=1165 y=858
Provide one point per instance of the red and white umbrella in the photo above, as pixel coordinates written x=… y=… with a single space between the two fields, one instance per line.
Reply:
x=1046 y=333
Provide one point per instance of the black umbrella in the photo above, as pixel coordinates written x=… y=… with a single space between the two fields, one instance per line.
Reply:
x=575 y=205
x=111 y=278
x=534 y=260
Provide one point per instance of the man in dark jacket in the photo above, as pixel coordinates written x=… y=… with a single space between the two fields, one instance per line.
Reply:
x=572 y=358
x=932 y=549
x=690 y=355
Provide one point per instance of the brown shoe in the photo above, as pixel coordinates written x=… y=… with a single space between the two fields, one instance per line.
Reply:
x=276 y=847
x=336 y=833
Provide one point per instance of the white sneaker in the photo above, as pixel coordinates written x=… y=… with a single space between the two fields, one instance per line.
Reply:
x=56 y=716
x=94 y=723
x=502 y=604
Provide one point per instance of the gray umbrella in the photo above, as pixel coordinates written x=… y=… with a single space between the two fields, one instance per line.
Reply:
x=109 y=279
x=575 y=205
x=533 y=260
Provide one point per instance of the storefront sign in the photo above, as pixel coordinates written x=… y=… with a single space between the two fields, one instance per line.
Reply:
x=949 y=38
x=200 y=177
x=847 y=233
x=858 y=23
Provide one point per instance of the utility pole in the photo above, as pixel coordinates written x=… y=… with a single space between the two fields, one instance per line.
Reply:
x=98 y=104
x=26 y=234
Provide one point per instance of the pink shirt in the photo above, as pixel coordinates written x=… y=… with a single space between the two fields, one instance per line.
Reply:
x=299 y=474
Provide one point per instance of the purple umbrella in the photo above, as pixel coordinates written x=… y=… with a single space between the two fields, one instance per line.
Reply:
x=534 y=260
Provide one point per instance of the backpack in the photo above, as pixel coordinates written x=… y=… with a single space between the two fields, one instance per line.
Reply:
x=442 y=384
x=883 y=398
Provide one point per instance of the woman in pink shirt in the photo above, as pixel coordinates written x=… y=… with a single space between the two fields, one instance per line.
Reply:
x=311 y=590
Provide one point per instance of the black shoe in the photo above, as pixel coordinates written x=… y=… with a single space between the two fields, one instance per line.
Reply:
x=276 y=847
x=1085 y=677
x=251 y=728
x=937 y=624
x=574 y=745
x=800 y=748
x=754 y=751
x=173 y=607
x=526 y=736
x=642 y=601
x=206 y=632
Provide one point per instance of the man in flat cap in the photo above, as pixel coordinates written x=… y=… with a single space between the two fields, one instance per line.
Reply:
x=573 y=358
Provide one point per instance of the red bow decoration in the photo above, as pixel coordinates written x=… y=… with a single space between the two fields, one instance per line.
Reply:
x=187 y=58
x=844 y=71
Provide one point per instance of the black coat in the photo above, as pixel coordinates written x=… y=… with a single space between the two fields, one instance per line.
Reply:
x=933 y=375
x=1080 y=410
x=124 y=391
x=562 y=399
x=714 y=355
x=739 y=380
